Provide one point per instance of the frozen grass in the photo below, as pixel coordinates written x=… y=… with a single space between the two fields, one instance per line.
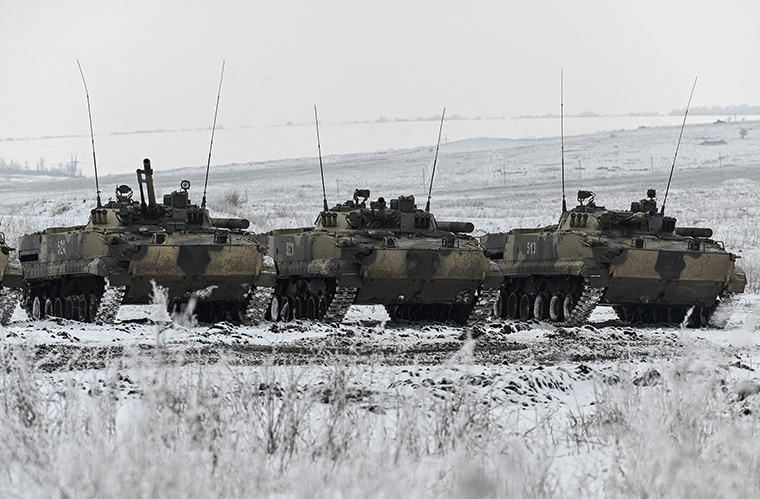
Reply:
x=695 y=435
x=339 y=430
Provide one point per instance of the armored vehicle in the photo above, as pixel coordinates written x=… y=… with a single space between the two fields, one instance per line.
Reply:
x=376 y=253
x=11 y=282
x=636 y=261
x=128 y=248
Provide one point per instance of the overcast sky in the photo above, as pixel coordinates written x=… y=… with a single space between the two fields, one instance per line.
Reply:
x=156 y=64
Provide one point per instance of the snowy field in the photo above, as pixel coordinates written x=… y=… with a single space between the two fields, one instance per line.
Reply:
x=123 y=152
x=168 y=408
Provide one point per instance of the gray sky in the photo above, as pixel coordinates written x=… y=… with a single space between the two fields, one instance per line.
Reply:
x=155 y=64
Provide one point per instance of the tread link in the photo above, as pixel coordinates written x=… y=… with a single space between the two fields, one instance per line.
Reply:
x=340 y=304
x=585 y=306
x=484 y=305
x=8 y=299
x=109 y=304
x=258 y=305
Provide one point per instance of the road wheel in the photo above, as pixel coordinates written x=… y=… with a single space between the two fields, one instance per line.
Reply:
x=36 y=308
x=49 y=308
x=286 y=309
x=92 y=307
x=500 y=306
x=58 y=307
x=425 y=312
x=568 y=304
x=526 y=307
x=646 y=314
x=513 y=306
x=628 y=314
x=297 y=308
x=81 y=306
x=68 y=307
x=322 y=306
x=441 y=313
x=413 y=313
x=555 y=308
x=311 y=308
x=540 y=308
x=658 y=315
x=274 y=309
x=398 y=313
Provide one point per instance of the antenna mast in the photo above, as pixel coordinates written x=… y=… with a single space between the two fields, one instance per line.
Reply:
x=435 y=161
x=562 y=134
x=662 y=209
x=92 y=135
x=321 y=169
x=213 y=129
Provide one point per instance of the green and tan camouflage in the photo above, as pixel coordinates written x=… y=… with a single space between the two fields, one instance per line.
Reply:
x=129 y=250
x=635 y=260
x=376 y=254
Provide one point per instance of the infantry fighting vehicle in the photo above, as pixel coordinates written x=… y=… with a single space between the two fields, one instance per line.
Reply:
x=85 y=272
x=635 y=260
x=11 y=282
x=373 y=253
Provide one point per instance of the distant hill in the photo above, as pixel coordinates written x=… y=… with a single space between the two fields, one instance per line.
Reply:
x=743 y=109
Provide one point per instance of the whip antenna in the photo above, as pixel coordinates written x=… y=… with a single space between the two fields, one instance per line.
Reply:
x=321 y=169
x=562 y=134
x=92 y=135
x=213 y=129
x=435 y=161
x=662 y=209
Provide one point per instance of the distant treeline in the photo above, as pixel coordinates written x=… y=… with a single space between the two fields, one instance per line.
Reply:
x=69 y=169
x=585 y=114
x=743 y=109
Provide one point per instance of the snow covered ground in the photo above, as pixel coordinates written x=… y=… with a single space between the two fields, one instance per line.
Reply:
x=166 y=408
x=123 y=152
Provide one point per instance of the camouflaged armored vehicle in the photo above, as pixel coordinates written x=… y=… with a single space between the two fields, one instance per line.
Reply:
x=11 y=282
x=372 y=253
x=86 y=272
x=635 y=260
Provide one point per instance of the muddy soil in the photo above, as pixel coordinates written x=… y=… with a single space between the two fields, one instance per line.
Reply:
x=364 y=342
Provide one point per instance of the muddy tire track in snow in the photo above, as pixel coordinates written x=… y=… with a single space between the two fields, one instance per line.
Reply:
x=499 y=342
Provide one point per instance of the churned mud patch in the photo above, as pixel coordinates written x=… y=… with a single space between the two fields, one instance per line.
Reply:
x=69 y=346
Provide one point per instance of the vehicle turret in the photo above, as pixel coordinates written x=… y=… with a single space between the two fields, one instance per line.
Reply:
x=643 y=217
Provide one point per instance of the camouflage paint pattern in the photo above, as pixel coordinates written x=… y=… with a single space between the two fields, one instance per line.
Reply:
x=174 y=243
x=638 y=257
x=396 y=257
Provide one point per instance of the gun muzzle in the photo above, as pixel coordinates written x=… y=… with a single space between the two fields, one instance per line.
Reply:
x=643 y=215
